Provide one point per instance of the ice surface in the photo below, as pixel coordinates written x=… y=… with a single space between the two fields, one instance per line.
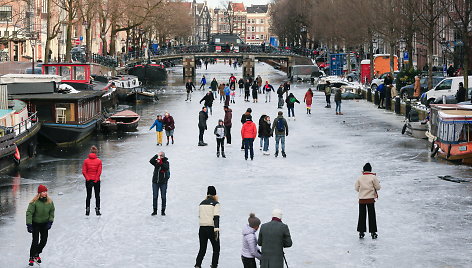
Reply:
x=423 y=221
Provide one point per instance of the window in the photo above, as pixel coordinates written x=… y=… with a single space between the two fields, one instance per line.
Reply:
x=253 y=29
x=262 y=21
x=65 y=72
x=262 y=36
x=5 y=13
x=45 y=7
x=444 y=85
x=79 y=73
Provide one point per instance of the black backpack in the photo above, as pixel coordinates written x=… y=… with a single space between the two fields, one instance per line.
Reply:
x=280 y=125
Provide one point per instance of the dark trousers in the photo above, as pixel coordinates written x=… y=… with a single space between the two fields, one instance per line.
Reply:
x=220 y=143
x=228 y=134
x=96 y=187
x=200 y=135
x=291 y=109
x=227 y=100
x=246 y=95
x=37 y=246
x=382 y=99
x=363 y=208
x=248 y=146
x=328 y=100
x=204 y=234
x=156 y=187
x=281 y=102
x=249 y=262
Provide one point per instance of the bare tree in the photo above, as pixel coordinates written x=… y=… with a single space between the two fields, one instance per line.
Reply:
x=88 y=13
x=71 y=8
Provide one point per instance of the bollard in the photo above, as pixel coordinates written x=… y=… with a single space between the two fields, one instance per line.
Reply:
x=376 y=98
x=397 y=105
x=369 y=95
x=444 y=100
x=407 y=109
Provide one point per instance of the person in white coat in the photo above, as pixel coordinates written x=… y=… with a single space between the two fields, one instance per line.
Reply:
x=250 y=251
x=367 y=185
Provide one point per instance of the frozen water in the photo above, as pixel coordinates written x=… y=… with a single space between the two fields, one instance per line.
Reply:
x=423 y=221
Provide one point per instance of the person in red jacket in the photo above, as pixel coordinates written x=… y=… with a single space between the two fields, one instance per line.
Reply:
x=249 y=133
x=92 y=169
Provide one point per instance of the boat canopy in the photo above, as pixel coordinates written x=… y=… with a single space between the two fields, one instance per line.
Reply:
x=29 y=78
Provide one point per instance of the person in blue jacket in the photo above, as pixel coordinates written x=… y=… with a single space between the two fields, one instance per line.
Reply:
x=381 y=90
x=159 y=129
x=203 y=82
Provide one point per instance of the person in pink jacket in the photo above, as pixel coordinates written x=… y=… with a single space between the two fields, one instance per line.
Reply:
x=367 y=185
x=92 y=169
x=249 y=133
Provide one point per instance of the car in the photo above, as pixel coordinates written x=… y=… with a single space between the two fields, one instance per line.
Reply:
x=407 y=91
x=447 y=88
x=353 y=76
x=37 y=70
x=377 y=81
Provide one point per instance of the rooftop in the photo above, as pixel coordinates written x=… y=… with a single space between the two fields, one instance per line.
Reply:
x=257 y=9
x=86 y=94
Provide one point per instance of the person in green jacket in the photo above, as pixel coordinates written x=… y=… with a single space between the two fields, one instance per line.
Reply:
x=39 y=219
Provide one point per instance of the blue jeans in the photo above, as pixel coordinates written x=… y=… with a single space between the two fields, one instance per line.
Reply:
x=155 y=194
x=248 y=145
x=209 y=109
x=266 y=143
x=291 y=109
x=338 y=106
x=279 y=138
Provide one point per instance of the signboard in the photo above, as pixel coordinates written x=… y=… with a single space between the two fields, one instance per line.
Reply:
x=406 y=56
x=77 y=42
x=218 y=48
x=81 y=38
x=236 y=49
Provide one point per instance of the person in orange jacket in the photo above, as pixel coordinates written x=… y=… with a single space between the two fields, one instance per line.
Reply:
x=249 y=133
x=92 y=169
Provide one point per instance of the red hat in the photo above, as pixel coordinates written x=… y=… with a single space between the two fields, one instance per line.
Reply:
x=42 y=188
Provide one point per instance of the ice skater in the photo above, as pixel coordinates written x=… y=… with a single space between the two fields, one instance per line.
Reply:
x=280 y=129
x=248 y=134
x=241 y=86
x=367 y=185
x=202 y=125
x=247 y=90
x=337 y=100
x=327 y=92
x=308 y=99
x=280 y=95
x=208 y=101
x=189 y=86
x=209 y=221
x=250 y=251
x=291 y=100
x=267 y=90
x=227 y=123
x=203 y=83
x=160 y=177
x=255 y=89
x=39 y=219
x=92 y=170
x=159 y=124
x=220 y=134
x=265 y=133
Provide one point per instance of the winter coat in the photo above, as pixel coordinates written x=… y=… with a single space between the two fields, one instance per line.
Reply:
x=255 y=88
x=220 y=132
x=460 y=95
x=337 y=95
x=168 y=123
x=228 y=117
x=274 y=126
x=202 y=119
x=308 y=99
x=232 y=79
x=274 y=236
x=290 y=100
x=268 y=88
x=417 y=87
x=221 y=89
x=241 y=83
x=189 y=86
x=280 y=92
x=208 y=98
x=203 y=81
x=227 y=91
x=249 y=130
x=259 y=81
x=286 y=87
x=367 y=185
x=40 y=211
x=264 y=127
x=250 y=249
x=247 y=86
x=161 y=169
x=209 y=213
x=92 y=168
x=214 y=85
x=158 y=124
x=328 y=91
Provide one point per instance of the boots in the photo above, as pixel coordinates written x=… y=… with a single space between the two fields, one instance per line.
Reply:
x=223 y=154
x=218 y=154
x=37 y=258
x=276 y=153
x=87 y=211
x=154 y=212
x=31 y=261
x=163 y=212
x=361 y=234
x=283 y=154
x=97 y=211
x=374 y=235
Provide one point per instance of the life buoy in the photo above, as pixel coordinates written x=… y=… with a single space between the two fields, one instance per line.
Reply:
x=404 y=129
x=17 y=154
x=435 y=151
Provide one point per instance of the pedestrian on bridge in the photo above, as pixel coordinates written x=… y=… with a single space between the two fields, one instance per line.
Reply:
x=267 y=90
x=308 y=99
x=367 y=186
x=189 y=86
x=203 y=83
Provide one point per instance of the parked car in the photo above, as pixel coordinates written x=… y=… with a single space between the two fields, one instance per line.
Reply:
x=377 y=81
x=353 y=76
x=407 y=91
x=448 y=87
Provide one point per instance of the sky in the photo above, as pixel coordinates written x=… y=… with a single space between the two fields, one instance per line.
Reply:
x=219 y=3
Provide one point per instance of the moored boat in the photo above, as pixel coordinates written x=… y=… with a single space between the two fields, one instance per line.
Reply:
x=126 y=121
x=149 y=73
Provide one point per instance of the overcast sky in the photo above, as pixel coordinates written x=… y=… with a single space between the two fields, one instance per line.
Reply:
x=219 y=3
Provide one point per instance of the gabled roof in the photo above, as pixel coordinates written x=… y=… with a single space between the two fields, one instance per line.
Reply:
x=237 y=7
x=257 y=9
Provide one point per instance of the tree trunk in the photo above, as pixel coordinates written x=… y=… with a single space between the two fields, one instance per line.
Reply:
x=88 y=41
x=430 y=55
x=392 y=58
x=48 y=32
x=104 y=44
x=113 y=39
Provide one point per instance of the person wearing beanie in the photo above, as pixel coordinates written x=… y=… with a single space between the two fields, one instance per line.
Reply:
x=160 y=177
x=39 y=219
x=92 y=170
x=209 y=221
x=220 y=138
x=274 y=236
x=202 y=125
x=250 y=251
x=208 y=101
x=248 y=134
x=227 y=123
x=367 y=186
x=290 y=101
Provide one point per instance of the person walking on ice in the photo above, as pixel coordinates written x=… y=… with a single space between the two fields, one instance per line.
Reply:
x=367 y=186
x=39 y=219
x=250 y=251
x=202 y=125
x=189 y=86
x=280 y=128
x=220 y=138
x=267 y=90
x=159 y=124
x=209 y=221
x=169 y=126
x=274 y=236
x=308 y=99
x=291 y=105
x=160 y=177
x=92 y=170
x=337 y=100
x=248 y=134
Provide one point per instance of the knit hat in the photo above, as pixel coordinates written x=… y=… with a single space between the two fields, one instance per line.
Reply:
x=249 y=110
x=277 y=213
x=220 y=120
x=253 y=220
x=367 y=167
x=211 y=190
x=42 y=188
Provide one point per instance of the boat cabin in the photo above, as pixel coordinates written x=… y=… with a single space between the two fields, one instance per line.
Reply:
x=75 y=74
x=451 y=123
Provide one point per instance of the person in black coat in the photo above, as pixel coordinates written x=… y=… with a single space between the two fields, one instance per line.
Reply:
x=160 y=177
x=247 y=90
x=208 y=98
x=202 y=125
x=255 y=88
x=265 y=132
x=461 y=93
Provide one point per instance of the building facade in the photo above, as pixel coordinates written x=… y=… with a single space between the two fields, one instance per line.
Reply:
x=258 y=24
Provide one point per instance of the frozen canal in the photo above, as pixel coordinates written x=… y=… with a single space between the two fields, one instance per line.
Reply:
x=423 y=221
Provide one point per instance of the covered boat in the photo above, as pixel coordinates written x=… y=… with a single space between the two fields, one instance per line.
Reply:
x=150 y=73
x=451 y=131
x=126 y=121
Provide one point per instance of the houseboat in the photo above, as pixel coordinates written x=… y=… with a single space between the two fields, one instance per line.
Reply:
x=125 y=84
x=450 y=128
x=65 y=118
x=149 y=73
x=18 y=131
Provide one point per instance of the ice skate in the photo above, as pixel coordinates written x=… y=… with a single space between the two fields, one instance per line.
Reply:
x=361 y=234
x=31 y=261
x=223 y=155
x=97 y=211
x=283 y=154
x=87 y=211
x=154 y=212
x=37 y=259
x=374 y=235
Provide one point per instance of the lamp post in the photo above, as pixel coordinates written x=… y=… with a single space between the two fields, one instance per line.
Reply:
x=33 y=40
x=59 y=40
x=402 y=43
x=444 y=44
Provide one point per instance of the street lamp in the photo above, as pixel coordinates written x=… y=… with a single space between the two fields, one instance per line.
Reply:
x=402 y=43
x=59 y=41
x=444 y=45
x=33 y=40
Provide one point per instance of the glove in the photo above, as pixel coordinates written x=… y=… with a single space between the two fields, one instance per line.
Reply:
x=29 y=227
x=217 y=234
x=49 y=225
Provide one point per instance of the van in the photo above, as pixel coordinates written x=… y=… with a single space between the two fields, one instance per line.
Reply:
x=448 y=87
x=303 y=72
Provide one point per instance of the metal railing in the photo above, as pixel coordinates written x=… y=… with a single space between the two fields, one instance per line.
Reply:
x=25 y=124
